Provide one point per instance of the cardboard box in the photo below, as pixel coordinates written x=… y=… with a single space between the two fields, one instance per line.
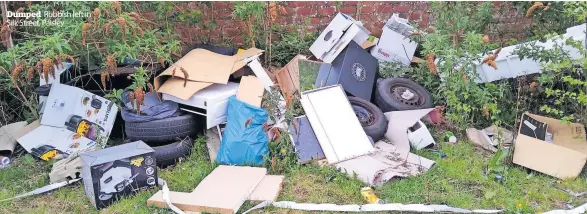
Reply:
x=337 y=35
x=73 y=119
x=563 y=158
x=111 y=173
x=394 y=47
x=203 y=69
x=355 y=69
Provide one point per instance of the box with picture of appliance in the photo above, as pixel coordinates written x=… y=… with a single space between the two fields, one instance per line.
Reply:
x=117 y=171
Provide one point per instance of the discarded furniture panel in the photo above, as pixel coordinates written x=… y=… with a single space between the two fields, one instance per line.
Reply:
x=222 y=191
x=335 y=124
x=564 y=157
x=288 y=77
x=213 y=99
x=305 y=141
x=355 y=69
x=268 y=189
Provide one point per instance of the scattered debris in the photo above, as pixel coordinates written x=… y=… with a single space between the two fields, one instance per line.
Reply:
x=73 y=120
x=244 y=141
x=69 y=168
x=402 y=122
x=305 y=141
x=335 y=124
x=578 y=210
x=386 y=162
x=116 y=171
x=370 y=196
x=213 y=143
x=4 y=161
x=418 y=208
x=480 y=139
x=563 y=158
x=222 y=191
x=448 y=136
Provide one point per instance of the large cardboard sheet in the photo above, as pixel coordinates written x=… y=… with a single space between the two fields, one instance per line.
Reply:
x=203 y=68
x=73 y=119
x=335 y=124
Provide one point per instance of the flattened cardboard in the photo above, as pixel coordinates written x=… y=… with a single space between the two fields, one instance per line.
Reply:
x=8 y=136
x=268 y=189
x=250 y=91
x=289 y=77
x=203 y=68
x=222 y=191
x=564 y=158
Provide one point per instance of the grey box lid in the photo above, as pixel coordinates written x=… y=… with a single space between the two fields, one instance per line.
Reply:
x=115 y=153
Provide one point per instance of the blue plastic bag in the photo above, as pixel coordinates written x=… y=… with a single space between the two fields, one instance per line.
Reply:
x=244 y=141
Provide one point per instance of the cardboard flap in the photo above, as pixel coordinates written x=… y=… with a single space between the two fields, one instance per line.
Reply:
x=174 y=86
x=206 y=66
x=548 y=158
x=250 y=91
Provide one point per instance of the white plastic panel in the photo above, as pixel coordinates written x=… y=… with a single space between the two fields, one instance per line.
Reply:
x=213 y=99
x=335 y=124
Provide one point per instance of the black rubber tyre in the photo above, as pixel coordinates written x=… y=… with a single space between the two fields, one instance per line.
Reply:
x=170 y=154
x=372 y=118
x=165 y=130
x=388 y=95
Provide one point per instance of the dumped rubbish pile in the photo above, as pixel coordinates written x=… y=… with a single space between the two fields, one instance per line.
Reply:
x=353 y=120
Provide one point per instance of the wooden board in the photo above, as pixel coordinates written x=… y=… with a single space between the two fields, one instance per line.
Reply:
x=222 y=191
x=335 y=124
x=289 y=77
x=268 y=189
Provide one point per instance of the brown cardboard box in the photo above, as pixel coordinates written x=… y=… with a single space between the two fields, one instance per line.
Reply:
x=203 y=68
x=563 y=158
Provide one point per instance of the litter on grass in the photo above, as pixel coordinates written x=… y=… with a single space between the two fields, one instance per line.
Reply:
x=367 y=207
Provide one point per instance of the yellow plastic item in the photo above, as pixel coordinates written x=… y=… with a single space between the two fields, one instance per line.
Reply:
x=370 y=196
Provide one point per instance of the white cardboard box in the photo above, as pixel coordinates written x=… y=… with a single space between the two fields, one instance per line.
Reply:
x=394 y=47
x=341 y=30
x=73 y=119
x=213 y=99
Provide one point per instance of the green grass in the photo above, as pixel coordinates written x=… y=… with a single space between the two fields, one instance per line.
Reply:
x=457 y=180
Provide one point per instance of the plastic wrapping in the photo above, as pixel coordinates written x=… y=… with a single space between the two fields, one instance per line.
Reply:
x=244 y=141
